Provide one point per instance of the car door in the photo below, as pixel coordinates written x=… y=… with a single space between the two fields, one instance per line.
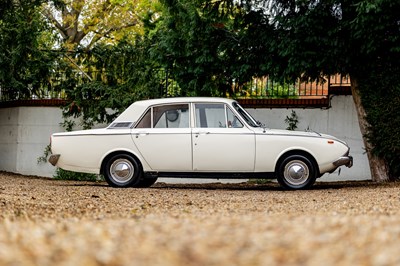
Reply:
x=163 y=137
x=221 y=142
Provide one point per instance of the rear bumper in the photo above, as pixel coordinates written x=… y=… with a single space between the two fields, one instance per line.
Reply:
x=53 y=159
x=344 y=160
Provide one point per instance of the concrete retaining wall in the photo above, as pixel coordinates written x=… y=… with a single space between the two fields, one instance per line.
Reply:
x=25 y=133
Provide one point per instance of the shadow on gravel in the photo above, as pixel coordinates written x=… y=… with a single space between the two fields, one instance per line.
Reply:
x=272 y=186
x=251 y=186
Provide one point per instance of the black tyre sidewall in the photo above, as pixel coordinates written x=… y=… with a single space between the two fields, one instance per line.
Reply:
x=311 y=167
x=130 y=183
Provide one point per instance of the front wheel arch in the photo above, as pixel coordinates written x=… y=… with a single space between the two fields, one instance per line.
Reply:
x=301 y=160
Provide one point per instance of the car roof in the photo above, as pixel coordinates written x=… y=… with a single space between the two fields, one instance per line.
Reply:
x=182 y=100
x=135 y=110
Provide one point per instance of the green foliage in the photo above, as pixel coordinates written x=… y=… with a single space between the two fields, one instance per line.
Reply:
x=205 y=46
x=292 y=121
x=383 y=109
x=46 y=153
x=211 y=43
x=114 y=77
x=68 y=175
x=24 y=67
x=265 y=88
x=68 y=125
x=208 y=47
x=376 y=33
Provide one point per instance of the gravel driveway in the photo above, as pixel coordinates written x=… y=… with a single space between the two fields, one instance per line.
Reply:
x=50 y=222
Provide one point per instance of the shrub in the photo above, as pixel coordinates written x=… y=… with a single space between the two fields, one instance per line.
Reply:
x=68 y=175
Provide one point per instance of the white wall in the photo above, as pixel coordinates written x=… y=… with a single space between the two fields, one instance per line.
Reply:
x=340 y=121
x=9 y=138
x=25 y=132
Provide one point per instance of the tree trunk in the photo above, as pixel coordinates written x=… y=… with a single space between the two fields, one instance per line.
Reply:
x=378 y=166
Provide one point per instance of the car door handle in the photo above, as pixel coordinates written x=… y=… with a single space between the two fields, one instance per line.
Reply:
x=202 y=133
x=141 y=134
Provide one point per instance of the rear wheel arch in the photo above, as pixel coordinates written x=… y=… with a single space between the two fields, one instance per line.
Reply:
x=112 y=154
x=122 y=169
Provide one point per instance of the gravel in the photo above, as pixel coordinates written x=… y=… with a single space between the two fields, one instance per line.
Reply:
x=52 y=222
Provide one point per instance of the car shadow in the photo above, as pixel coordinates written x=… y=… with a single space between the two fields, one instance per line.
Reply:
x=250 y=186
x=270 y=185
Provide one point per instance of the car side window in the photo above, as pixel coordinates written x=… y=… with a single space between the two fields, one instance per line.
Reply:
x=145 y=122
x=233 y=121
x=210 y=115
x=215 y=116
x=166 y=116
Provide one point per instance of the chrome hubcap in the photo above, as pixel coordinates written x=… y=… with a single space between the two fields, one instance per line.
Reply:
x=296 y=172
x=122 y=170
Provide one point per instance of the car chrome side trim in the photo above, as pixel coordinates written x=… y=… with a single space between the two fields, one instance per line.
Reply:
x=212 y=175
x=91 y=135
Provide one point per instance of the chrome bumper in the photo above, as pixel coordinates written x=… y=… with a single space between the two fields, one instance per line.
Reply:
x=344 y=160
x=53 y=159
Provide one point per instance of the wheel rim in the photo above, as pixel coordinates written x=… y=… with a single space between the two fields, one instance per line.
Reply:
x=296 y=172
x=122 y=170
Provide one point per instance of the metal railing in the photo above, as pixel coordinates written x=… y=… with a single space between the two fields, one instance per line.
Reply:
x=266 y=88
x=258 y=88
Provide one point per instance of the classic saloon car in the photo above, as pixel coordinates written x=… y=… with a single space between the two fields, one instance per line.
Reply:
x=196 y=137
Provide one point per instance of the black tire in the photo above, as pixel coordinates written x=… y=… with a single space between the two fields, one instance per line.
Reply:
x=296 y=172
x=146 y=182
x=123 y=170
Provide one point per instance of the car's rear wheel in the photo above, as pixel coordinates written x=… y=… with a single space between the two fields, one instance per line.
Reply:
x=122 y=170
x=296 y=172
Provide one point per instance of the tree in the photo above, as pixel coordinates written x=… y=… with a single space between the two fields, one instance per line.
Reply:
x=348 y=37
x=85 y=22
x=103 y=63
x=206 y=46
x=24 y=67
x=290 y=39
x=119 y=75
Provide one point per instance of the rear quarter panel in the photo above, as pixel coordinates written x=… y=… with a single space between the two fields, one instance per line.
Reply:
x=85 y=152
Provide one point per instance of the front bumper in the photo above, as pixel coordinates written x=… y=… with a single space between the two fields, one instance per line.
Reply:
x=344 y=160
x=53 y=159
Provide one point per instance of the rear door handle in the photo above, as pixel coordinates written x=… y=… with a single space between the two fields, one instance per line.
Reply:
x=141 y=134
x=202 y=133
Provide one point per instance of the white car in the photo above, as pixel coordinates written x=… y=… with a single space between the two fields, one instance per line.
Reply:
x=196 y=138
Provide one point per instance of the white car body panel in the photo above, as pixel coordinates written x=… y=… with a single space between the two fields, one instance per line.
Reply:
x=84 y=151
x=165 y=151
x=223 y=149
x=185 y=148
x=272 y=145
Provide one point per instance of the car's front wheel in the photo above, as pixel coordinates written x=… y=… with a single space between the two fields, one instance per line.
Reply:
x=296 y=172
x=122 y=170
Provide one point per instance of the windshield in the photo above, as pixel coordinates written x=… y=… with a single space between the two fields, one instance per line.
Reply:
x=245 y=115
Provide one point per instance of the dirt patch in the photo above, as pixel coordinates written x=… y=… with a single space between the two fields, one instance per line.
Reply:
x=47 y=222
